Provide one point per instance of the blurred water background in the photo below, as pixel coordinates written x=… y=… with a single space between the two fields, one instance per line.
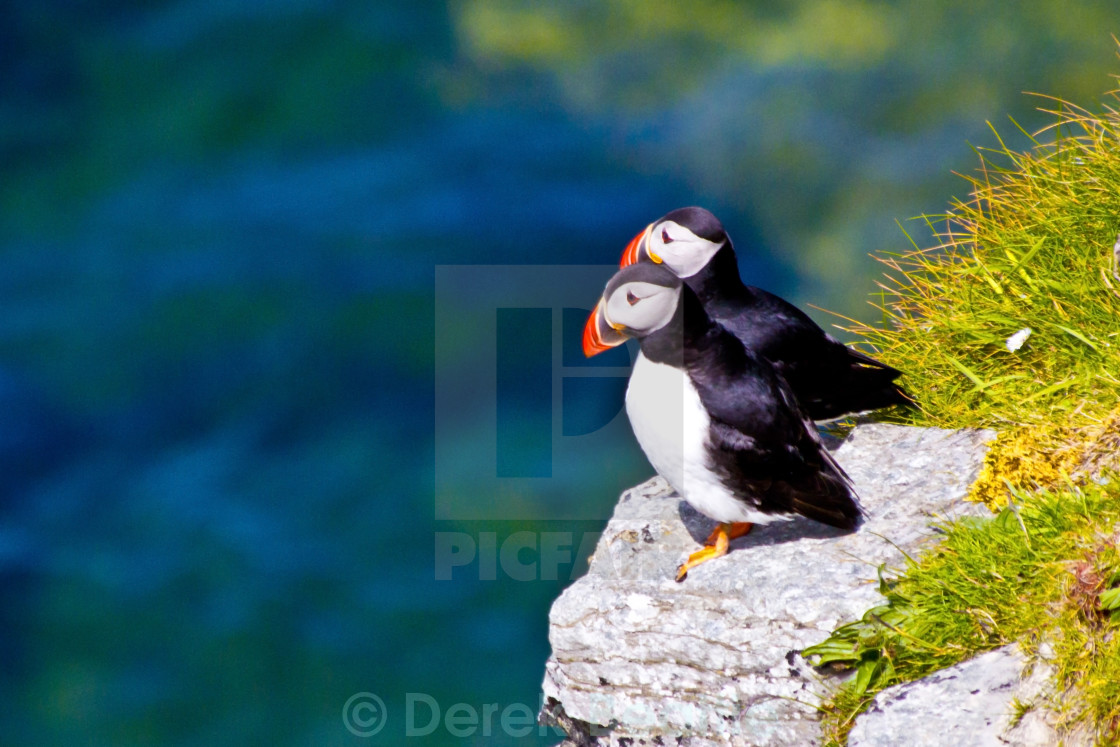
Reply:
x=220 y=224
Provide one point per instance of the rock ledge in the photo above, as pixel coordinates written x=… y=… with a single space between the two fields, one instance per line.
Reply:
x=640 y=659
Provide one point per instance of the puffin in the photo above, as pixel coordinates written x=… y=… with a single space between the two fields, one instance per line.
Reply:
x=830 y=379
x=714 y=418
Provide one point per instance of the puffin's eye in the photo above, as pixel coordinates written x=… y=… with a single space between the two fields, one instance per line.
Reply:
x=631 y=298
x=665 y=237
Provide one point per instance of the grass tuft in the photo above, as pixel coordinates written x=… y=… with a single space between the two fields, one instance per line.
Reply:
x=1011 y=320
x=1028 y=574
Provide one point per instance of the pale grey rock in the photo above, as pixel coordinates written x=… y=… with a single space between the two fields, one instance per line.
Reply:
x=640 y=659
x=997 y=699
x=1039 y=725
x=969 y=705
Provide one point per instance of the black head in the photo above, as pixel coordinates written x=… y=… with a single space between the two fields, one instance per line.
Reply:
x=699 y=221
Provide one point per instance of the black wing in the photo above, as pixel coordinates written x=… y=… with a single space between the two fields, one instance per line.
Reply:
x=829 y=378
x=763 y=447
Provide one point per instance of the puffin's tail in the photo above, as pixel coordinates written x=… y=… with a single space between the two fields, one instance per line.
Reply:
x=867 y=385
x=827 y=496
x=872 y=388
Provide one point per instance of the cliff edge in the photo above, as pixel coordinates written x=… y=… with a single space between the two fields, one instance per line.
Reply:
x=640 y=659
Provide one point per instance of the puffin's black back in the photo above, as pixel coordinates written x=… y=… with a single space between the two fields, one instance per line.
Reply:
x=761 y=445
x=829 y=378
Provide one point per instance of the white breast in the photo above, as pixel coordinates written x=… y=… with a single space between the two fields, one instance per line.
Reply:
x=671 y=426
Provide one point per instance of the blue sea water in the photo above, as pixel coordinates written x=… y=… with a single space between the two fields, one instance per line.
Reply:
x=231 y=502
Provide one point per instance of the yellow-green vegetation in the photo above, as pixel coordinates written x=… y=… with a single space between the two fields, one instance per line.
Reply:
x=1011 y=321
x=1033 y=248
x=1045 y=570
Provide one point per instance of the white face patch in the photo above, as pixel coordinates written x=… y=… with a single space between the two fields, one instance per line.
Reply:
x=641 y=307
x=680 y=249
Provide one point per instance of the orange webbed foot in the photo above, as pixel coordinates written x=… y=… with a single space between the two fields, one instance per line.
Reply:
x=715 y=546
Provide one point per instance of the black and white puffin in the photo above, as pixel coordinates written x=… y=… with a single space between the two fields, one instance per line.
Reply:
x=829 y=378
x=713 y=418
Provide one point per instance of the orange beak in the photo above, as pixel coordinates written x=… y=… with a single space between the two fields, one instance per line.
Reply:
x=633 y=252
x=598 y=334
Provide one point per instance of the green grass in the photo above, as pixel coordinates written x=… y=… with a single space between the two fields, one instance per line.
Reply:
x=1031 y=248
x=1034 y=572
